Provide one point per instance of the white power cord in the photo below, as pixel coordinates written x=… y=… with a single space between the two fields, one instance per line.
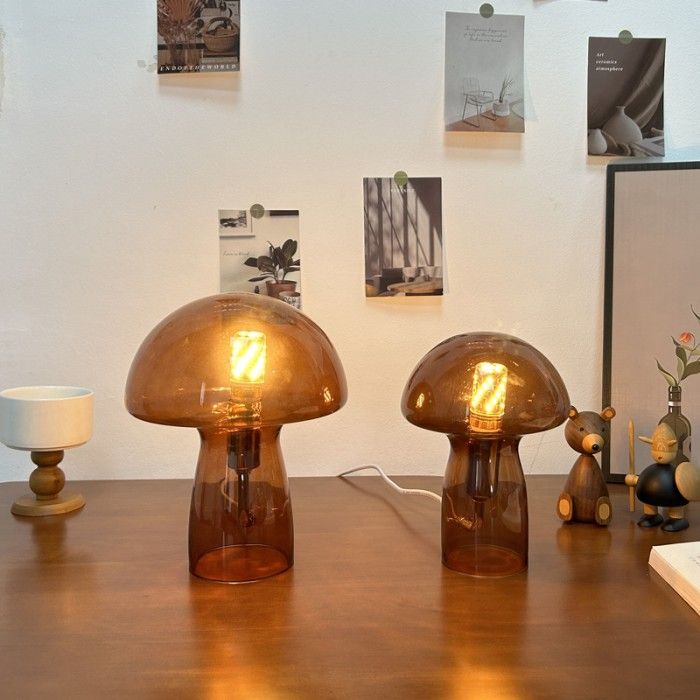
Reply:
x=395 y=486
x=468 y=522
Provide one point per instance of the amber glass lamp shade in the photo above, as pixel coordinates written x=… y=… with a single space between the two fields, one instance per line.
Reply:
x=485 y=391
x=237 y=367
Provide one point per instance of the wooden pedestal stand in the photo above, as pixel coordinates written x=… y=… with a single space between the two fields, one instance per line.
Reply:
x=47 y=481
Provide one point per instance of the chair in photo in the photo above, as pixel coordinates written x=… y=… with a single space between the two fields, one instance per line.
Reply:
x=476 y=97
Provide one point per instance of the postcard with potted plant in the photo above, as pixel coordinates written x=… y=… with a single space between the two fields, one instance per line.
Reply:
x=198 y=36
x=403 y=237
x=484 y=72
x=260 y=255
x=626 y=97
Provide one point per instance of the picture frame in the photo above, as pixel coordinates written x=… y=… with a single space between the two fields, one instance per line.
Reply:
x=652 y=277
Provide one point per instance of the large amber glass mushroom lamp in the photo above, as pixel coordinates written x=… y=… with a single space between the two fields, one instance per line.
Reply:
x=237 y=367
x=485 y=391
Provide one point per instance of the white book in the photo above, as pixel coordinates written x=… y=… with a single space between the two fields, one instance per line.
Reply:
x=679 y=565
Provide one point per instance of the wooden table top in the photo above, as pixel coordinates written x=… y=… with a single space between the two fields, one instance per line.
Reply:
x=99 y=603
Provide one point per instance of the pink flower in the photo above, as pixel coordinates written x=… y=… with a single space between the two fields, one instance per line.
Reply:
x=687 y=338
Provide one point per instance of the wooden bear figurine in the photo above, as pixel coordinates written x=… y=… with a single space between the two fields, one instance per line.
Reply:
x=585 y=498
x=664 y=483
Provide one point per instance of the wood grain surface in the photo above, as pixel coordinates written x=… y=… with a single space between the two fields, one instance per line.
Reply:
x=99 y=603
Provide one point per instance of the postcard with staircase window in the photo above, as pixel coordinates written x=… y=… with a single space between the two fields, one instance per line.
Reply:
x=484 y=73
x=403 y=236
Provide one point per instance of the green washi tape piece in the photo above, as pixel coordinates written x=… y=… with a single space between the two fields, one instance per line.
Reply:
x=486 y=10
x=257 y=211
x=625 y=37
x=401 y=178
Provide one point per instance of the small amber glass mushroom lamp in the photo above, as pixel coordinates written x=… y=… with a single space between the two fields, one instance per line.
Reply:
x=237 y=367
x=485 y=391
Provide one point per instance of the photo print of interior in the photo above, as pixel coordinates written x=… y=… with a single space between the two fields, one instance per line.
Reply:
x=403 y=237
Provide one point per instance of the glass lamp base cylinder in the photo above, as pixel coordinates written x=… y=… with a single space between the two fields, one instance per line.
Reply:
x=241 y=514
x=484 y=508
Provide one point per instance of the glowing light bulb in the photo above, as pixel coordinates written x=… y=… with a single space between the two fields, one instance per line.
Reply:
x=487 y=405
x=248 y=356
x=246 y=375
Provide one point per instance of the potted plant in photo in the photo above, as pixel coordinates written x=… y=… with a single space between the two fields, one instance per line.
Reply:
x=501 y=106
x=275 y=266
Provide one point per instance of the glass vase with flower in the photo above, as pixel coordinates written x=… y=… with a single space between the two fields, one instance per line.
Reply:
x=687 y=364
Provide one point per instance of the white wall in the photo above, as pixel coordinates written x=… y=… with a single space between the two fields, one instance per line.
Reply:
x=111 y=179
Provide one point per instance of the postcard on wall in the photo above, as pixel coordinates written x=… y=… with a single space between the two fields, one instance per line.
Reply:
x=626 y=97
x=234 y=223
x=484 y=72
x=198 y=36
x=260 y=255
x=403 y=237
